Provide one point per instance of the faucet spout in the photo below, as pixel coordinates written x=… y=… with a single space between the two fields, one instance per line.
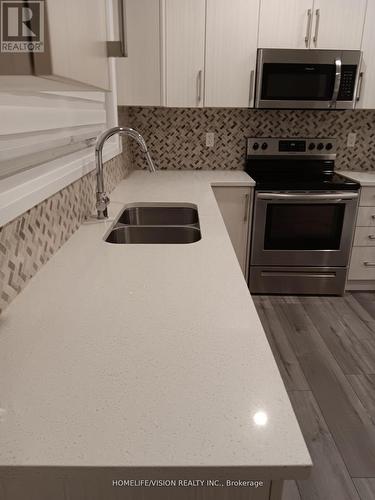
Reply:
x=102 y=199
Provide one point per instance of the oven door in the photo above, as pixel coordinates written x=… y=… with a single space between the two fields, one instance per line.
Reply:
x=305 y=79
x=303 y=229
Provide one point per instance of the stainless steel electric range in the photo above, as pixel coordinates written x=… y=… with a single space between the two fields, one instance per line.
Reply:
x=304 y=217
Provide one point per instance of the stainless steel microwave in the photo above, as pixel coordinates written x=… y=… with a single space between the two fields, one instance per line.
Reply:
x=307 y=79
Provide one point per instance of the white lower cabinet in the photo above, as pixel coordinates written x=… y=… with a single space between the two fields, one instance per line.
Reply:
x=364 y=237
x=46 y=485
x=235 y=205
x=366 y=216
x=362 y=263
x=368 y=197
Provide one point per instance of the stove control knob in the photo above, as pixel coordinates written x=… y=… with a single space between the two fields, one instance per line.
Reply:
x=320 y=146
x=329 y=146
x=255 y=146
x=264 y=146
x=311 y=146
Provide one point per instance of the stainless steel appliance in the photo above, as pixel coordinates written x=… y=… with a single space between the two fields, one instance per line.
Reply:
x=304 y=79
x=304 y=216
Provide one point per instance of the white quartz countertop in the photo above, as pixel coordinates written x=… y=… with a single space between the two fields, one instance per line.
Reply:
x=364 y=178
x=145 y=355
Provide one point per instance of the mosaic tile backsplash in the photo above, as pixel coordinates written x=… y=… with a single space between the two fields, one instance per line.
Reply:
x=176 y=136
x=30 y=240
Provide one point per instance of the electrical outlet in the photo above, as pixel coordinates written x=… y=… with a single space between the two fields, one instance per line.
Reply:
x=352 y=137
x=210 y=139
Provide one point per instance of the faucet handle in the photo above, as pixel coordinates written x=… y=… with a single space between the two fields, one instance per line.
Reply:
x=102 y=201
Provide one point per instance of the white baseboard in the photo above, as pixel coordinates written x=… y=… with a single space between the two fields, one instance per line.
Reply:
x=360 y=285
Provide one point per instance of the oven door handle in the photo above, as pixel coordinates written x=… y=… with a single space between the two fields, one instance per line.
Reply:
x=307 y=197
x=336 y=86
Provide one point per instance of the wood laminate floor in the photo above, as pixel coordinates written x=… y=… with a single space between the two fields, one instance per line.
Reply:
x=325 y=350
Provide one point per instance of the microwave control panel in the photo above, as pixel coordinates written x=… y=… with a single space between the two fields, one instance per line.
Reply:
x=347 y=85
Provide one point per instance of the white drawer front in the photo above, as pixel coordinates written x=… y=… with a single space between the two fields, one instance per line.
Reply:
x=366 y=216
x=362 y=264
x=364 y=237
x=367 y=197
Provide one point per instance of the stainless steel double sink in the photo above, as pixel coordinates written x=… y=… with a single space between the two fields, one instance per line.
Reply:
x=156 y=224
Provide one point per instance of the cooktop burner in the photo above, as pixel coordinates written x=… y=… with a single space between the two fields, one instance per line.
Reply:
x=295 y=164
x=327 y=182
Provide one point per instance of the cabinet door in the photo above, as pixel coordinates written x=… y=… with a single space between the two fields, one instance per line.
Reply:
x=231 y=47
x=285 y=24
x=362 y=264
x=184 y=52
x=367 y=82
x=367 y=197
x=366 y=217
x=338 y=24
x=138 y=75
x=235 y=207
x=78 y=37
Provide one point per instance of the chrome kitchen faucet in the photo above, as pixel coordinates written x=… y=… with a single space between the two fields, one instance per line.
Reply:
x=102 y=199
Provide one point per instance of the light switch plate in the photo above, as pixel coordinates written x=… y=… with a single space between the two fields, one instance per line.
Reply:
x=352 y=137
x=210 y=139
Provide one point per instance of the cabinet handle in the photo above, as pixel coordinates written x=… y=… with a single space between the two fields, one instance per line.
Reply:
x=372 y=216
x=315 y=39
x=120 y=48
x=359 y=88
x=251 y=90
x=371 y=236
x=308 y=27
x=199 y=86
x=247 y=207
x=369 y=264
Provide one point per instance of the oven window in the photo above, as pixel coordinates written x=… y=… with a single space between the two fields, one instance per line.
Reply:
x=303 y=226
x=298 y=82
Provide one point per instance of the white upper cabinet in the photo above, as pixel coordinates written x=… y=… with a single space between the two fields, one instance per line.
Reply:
x=285 y=24
x=184 y=41
x=338 y=24
x=74 y=55
x=194 y=53
x=231 y=48
x=366 y=91
x=78 y=34
x=138 y=74
x=321 y=24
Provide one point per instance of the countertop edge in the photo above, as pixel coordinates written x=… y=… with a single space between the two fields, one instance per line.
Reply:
x=360 y=177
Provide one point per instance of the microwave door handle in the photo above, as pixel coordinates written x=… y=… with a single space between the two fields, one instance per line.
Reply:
x=336 y=86
x=251 y=88
x=359 y=86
